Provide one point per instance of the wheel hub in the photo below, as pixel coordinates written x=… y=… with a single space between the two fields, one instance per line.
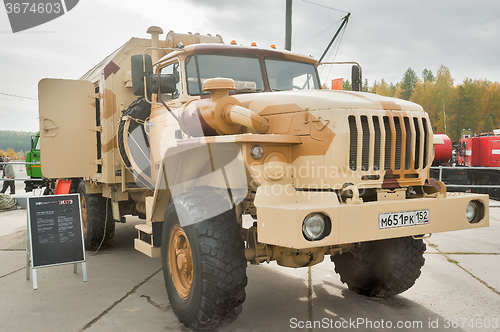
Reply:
x=181 y=262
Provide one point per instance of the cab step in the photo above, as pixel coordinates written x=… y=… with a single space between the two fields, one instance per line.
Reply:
x=144 y=241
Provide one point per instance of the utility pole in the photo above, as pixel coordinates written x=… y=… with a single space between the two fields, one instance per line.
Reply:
x=288 y=26
x=444 y=115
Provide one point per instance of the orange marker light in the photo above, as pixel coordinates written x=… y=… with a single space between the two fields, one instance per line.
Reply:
x=254 y=44
x=273 y=46
x=233 y=42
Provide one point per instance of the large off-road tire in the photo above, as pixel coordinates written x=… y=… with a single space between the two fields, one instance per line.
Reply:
x=97 y=229
x=204 y=263
x=381 y=268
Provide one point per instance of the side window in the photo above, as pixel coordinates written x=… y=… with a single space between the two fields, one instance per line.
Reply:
x=172 y=69
x=193 y=78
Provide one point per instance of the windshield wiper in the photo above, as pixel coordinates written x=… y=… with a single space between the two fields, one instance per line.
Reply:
x=246 y=90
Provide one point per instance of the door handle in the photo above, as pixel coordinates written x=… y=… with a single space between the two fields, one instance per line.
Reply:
x=49 y=127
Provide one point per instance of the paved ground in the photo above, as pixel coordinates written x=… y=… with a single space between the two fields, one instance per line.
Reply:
x=459 y=285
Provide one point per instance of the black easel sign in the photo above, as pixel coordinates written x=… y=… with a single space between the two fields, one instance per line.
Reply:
x=55 y=232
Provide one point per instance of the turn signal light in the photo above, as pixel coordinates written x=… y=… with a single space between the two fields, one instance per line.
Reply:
x=273 y=46
x=254 y=44
x=233 y=42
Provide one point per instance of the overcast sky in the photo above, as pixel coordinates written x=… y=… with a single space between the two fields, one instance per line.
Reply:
x=384 y=36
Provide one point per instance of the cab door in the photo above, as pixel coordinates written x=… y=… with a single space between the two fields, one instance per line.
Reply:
x=67 y=128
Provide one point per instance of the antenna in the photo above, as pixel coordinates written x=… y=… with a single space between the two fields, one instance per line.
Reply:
x=344 y=22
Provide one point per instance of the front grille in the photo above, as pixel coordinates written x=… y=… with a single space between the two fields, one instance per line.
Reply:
x=388 y=142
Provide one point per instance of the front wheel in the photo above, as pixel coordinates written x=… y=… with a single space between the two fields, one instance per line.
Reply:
x=204 y=263
x=381 y=268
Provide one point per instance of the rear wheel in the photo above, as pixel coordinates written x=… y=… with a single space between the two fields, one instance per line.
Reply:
x=381 y=268
x=97 y=219
x=204 y=261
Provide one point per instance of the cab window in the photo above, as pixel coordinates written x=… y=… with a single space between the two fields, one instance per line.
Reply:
x=291 y=75
x=172 y=69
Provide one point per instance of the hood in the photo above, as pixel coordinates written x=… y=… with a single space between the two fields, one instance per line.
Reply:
x=268 y=103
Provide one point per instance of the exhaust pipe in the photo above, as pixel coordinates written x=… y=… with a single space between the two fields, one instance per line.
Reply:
x=155 y=33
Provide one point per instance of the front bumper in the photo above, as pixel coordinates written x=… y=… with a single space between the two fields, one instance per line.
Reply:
x=281 y=210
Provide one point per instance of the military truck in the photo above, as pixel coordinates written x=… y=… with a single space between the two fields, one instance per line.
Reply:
x=234 y=154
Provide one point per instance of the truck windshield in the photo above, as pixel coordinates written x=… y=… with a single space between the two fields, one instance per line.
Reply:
x=291 y=75
x=244 y=70
x=37 y=143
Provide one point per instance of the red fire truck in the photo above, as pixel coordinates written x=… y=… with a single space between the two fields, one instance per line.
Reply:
x=477 y=167
x=479 y=151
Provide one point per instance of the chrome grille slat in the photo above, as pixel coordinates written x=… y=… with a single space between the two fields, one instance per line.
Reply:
x=399 y=136
x=417 y=143
x=390 y=142
x=365 y=154
x=353 y=145
x=408 y=150
x=376 y=153
x=426 y=141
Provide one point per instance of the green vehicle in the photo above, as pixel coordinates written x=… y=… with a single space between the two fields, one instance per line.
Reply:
x=34 y=169
x=33 y=156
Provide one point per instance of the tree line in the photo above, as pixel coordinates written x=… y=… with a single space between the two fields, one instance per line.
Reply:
x=14 y=144
x=472 y=104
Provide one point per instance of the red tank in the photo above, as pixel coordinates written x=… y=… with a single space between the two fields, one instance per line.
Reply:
x=442 y=152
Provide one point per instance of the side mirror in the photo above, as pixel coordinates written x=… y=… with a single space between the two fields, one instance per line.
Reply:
x=356 y=78
x=167 y=83
x=141 y=74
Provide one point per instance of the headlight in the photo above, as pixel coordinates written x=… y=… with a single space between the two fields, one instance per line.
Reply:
x=256 y=152
x=316 y=226
x=471 y=211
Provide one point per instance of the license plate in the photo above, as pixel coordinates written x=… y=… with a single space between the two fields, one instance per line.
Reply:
x=403 y=219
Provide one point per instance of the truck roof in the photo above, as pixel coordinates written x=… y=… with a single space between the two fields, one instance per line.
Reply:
x=238 y=49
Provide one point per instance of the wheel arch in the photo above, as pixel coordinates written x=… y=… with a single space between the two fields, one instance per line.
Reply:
x=190 y=164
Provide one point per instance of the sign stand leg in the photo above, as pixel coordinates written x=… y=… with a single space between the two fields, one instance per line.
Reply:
x=28 y=249
x=84 y=269
x=28 y=276
x=35 y=284
x=75 y=269
x=28 y=263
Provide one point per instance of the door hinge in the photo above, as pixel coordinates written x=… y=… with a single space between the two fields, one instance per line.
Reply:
x=96 y=95
x=97 y=128
x=97 y=162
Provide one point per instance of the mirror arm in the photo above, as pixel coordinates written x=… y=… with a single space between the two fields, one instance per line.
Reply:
x=158 y=96
x=145 y=78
